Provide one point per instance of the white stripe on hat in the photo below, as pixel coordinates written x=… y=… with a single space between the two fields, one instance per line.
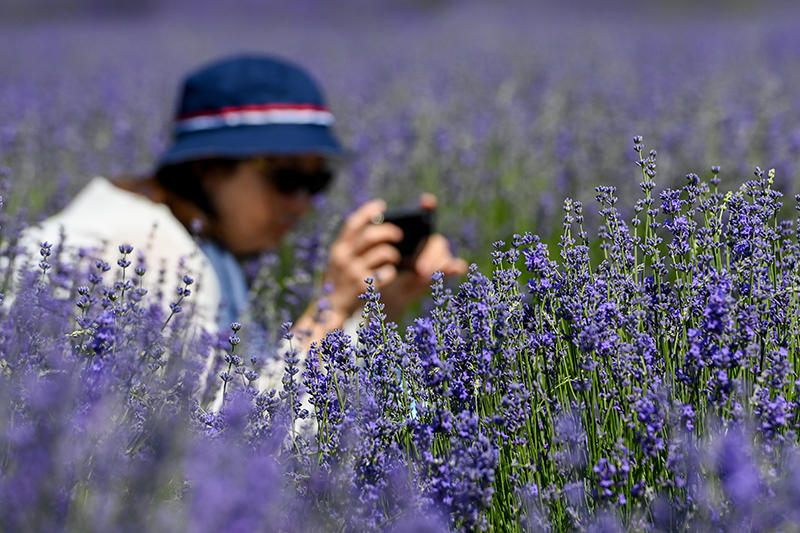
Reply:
x=255 y=118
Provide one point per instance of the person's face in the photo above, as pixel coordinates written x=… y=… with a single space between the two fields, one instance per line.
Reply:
x=255 y=206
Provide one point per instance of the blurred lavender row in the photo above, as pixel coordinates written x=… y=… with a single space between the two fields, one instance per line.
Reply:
x=501 y=109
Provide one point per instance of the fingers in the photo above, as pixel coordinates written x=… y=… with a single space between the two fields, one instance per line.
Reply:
x=377 y=256
x=384 y=275
x=428 y=201
x=373 y=235
x=436 y=255
x=360 y=218
x=360 y=233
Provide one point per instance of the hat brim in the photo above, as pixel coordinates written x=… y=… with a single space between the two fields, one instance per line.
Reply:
x=251 y=141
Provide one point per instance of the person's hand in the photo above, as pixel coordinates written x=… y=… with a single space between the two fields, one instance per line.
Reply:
x=362 y=250
x=408 y=285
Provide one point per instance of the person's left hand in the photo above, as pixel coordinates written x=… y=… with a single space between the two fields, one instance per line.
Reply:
x=410 y=284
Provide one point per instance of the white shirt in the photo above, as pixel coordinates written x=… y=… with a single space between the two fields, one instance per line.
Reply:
x=102 y=217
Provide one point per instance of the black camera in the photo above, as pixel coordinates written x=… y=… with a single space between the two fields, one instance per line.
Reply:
x=416 y=223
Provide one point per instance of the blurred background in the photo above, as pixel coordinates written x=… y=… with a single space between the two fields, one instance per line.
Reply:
x=502 y=108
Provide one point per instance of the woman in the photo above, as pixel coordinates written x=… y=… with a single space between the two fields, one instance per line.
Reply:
x=253 y=144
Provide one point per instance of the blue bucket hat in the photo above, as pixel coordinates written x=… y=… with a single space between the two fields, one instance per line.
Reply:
x=248 y=106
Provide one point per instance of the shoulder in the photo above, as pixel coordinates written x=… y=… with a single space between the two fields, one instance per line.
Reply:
x=102 y=212
x=103 y=216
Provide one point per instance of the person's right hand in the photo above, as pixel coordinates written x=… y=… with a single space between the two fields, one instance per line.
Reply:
x=362 y=250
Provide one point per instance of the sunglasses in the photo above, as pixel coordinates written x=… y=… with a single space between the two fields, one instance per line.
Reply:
x=290 y=179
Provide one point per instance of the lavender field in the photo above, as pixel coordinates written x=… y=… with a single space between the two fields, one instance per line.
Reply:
x=622 y=356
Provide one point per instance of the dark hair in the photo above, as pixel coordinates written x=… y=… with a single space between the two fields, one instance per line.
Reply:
x=184 y=179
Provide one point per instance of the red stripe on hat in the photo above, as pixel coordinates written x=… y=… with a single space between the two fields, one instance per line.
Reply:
x=253 y=107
